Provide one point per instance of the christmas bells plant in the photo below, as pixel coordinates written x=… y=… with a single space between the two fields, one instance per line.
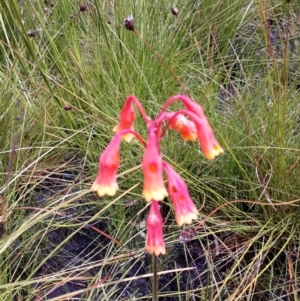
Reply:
x=192 y=124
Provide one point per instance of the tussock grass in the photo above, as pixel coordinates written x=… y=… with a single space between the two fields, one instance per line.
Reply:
x=62 y=85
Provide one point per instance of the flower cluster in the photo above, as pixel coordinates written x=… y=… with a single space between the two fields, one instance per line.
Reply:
x=192 y=124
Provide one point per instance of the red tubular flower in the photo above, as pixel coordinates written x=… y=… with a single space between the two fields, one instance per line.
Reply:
x=154 y=187
x=184 y=126
x=155 y=240
x=185 y=209
x=209 y=144
x=207 y=140
x=127 y=117
x=109 y=162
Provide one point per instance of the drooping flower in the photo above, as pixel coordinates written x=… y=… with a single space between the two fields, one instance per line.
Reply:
x=185 y=209
x=155 y=240
x=208 y=143
x=207 y=140
x=109 y=162
x=154 y=187
x=189 y=104
x=127 y=117
x=184 y=126
x=192 y=124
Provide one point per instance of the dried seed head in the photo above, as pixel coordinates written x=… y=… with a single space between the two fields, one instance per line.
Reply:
x=67 y=107
x=46 y=10
x=174 y=11
x=52 y=4
x=187 y=235
x=82 y=7
x=129 y=23
x=31 y=33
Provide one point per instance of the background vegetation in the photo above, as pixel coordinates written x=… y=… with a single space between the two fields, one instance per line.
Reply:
x=65 y=70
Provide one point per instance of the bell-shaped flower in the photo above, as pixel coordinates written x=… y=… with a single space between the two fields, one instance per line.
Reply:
x=185 y=209
x=181 y=124
x=208 y=143
x=154 y=187
x=127 y=117
x=155 y=240
x=207 y=140
x=109 y=162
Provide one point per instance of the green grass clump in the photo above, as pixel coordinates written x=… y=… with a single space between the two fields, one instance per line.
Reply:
x=64 y=74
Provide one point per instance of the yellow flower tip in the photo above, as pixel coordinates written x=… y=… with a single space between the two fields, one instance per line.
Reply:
x=218 y=148
x=127 y=137
x=191 y=137
x=156 y=250
x=157 y=195
x=116 y=128
x=105 y=190
x=187 y=218
x=214 y=152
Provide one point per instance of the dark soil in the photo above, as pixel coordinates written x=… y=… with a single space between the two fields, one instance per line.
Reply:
x=79 y=250
x=84 y=247
x=76 y=246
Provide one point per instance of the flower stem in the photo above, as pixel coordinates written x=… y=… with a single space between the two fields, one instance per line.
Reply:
x=146 y=118
x=155 y=278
